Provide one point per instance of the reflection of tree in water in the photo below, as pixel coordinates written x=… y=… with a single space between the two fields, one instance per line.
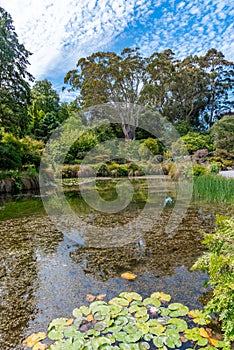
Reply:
x=19 y=241
x=155 y=252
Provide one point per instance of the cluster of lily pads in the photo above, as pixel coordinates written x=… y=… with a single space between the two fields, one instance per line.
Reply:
x=129 y=322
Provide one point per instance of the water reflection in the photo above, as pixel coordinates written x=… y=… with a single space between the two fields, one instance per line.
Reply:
x=44 y=274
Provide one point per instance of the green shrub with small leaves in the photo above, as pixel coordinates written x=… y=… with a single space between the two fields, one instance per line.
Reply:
x=218 y=261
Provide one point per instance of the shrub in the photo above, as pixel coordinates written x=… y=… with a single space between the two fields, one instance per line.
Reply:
x=122 y=171
x=148 y=148
x=223 y=132
x=218 y=261
x=214 y=168
x=10 y=157
x=191 y=143
x=199 y=169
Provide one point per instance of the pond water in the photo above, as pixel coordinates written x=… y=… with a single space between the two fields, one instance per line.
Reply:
x=44 y=274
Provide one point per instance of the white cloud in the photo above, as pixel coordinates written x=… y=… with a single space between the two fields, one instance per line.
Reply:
x=59 y=32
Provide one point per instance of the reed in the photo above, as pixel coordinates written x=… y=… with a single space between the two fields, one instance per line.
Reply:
x=213 y=189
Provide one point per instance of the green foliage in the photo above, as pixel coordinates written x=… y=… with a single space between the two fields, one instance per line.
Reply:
x=83 y=144
x=129 y=322
x=199 y=169
x=223 y=132
x=213 y=189
x=31 y=151
x=14 y=78
x=148 y=148
x=10 y=157
x=218 y=261
x=193 y=142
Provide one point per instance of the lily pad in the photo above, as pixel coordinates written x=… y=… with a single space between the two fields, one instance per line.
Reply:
x=143 y=327
x=130 y=329
x=152 y=301
x=131 y=296
x=177 y=309
x=115 y=310
x=177 y=323
x=120 y=336
x=161 y=296
x=99 y=341
x=77 y=313
x=56 y=334
x=71 y=331
x=141 y=312
x=144 y=346
x=119 y=301
x=100 y=326
x=133 y=337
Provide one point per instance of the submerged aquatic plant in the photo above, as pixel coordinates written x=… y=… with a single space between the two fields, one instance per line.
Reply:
x=129 y=322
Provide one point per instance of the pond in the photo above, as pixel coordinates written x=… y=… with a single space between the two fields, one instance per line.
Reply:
x=44 y=274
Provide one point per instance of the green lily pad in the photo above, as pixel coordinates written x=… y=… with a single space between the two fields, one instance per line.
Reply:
x=98 y=316
x=159 y=341
x=55 y=334
x=120 y=336
x=121 y=320
x=77 y=313
x=71 y=331
x=115 y=310
x=151 y=301
x=93 y=332
x=134 y=308
x=99 y=326
x=143 y=327
x=99 y=341
x=194 y=335
x=161 y=296
x=130 y=329
x=58 y=322
x=177 y=309
x=148 y=337
x=85 y=310
x=143 y=319
x=144 y=346
x=178 y=324
x=119 y=301
x=113 y=329
x=164 y=311
x=141 y=312
x=131 y=296
x=133 y=337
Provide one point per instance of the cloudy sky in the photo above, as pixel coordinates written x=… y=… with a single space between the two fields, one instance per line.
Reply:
x=59 y=32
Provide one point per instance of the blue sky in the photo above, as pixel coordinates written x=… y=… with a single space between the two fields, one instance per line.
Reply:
x=59 y=32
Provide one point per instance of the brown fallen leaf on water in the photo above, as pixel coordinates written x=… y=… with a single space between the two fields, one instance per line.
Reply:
x=90 y=298
x=183 y=339
x=90 y=318
x=39 y=346
x=207 y=333
x=33 y=339
x=128 y=276
x=101 y=296
x=69 y=322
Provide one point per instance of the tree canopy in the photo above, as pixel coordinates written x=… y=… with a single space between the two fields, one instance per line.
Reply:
x=14 y=78
x=192 y=92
